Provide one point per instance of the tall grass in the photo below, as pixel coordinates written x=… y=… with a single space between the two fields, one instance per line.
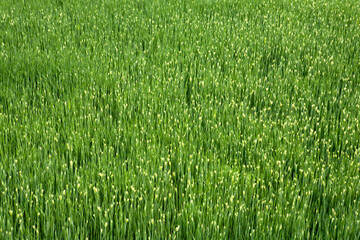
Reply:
x=179 y=119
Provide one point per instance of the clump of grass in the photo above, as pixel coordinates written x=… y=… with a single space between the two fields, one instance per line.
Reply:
x=179 y=119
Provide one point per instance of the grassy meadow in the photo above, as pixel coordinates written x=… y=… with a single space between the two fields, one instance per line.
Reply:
x=180 y=119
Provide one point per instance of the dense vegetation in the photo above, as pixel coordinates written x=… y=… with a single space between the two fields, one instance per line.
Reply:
x=200 y=119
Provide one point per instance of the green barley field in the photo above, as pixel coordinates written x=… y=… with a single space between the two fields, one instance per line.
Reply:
x=180 y=119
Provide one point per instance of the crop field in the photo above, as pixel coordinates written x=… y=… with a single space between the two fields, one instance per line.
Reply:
x=180 y=119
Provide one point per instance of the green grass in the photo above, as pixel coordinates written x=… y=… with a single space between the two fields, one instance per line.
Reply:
x=180 y=119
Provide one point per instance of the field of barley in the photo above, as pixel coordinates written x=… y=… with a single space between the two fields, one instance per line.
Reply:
x=180 y=119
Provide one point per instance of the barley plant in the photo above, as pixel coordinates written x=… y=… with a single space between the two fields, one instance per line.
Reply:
x=187 y=119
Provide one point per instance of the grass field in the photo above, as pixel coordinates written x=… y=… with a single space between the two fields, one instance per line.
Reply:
x=187 y=119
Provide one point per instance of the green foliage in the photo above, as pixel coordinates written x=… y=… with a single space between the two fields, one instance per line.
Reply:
x=179 y=119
